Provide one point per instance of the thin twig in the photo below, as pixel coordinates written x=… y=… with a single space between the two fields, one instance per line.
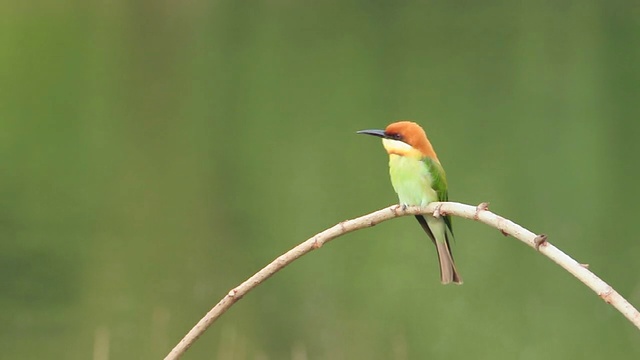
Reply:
x=479 y=213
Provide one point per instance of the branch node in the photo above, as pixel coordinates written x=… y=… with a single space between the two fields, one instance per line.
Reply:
x=395 y=209
x=540 y=240
x=586 y=266
x=607 y=294
x=501 y=226
x=316 y=244
x=484 y=206
x=437 y=212
x=232 y=293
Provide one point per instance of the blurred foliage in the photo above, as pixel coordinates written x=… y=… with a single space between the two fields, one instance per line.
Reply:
x=157 y=153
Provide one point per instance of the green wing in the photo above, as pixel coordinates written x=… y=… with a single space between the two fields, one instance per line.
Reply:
x=439 y=184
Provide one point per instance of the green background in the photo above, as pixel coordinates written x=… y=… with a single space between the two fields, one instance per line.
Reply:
x=154 y=154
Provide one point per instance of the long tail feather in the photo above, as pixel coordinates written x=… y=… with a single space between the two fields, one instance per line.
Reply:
x=448 y=272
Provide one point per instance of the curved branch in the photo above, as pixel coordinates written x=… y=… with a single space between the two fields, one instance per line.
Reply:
x=478 y=213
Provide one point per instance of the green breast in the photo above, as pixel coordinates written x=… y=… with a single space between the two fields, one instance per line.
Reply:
x=411 y=180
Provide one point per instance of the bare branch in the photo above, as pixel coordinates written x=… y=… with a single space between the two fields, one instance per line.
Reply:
x=479 y=213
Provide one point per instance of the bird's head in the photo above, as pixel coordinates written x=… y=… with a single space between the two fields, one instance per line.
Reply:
x=404 y=138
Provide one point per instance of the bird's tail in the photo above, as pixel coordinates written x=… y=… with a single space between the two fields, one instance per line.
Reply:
x=448 y=272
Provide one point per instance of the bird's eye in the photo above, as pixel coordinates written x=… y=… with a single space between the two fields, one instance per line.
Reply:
x=396 y=136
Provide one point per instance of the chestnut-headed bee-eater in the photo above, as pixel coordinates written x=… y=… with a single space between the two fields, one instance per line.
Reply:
x=418 y=179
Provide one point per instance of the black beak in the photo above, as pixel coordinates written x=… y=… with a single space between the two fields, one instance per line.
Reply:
x=378 y=133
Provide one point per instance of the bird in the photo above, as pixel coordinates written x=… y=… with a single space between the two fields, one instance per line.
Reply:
x=419 y=179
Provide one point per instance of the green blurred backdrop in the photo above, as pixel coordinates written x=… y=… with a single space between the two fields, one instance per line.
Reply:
x=157 y=153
